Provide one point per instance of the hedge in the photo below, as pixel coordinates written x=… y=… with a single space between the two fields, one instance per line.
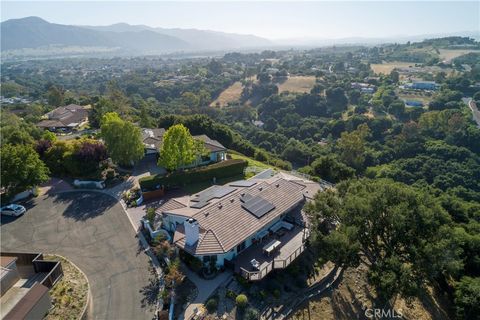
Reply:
x=218 y=170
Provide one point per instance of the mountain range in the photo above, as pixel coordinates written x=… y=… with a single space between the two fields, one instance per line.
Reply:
x=33 y=36
x=34 y=32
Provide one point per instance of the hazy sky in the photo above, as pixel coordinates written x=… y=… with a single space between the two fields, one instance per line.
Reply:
x=275 y=20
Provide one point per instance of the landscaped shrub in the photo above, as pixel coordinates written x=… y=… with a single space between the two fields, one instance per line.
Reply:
x=241 y=301
x=242 y=281
x=231 y=294
x=110 y=173
x=75 y=158
x=251 y=314
x=211 y=305
x=263 y=294
x=218 y=170
x=276 y=293
x=150 y=215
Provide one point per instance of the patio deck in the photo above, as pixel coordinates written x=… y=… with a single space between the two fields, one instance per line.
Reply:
x=292 y=245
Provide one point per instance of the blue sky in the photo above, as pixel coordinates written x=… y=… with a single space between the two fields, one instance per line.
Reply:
x=274 y=20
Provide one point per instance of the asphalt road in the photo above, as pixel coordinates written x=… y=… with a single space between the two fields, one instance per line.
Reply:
x=91 y=230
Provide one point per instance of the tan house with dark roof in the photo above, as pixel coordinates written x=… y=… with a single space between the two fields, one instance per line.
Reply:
x=65 y=118
x=253 y=226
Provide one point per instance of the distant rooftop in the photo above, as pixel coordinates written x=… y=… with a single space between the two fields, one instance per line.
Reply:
x=152 y=139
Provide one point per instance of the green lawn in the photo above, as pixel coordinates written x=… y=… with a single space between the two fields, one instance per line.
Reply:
x=251 y=162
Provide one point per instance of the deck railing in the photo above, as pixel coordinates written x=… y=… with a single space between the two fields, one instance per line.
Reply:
x=283 y=263
x=257 y=275
x=275 y=264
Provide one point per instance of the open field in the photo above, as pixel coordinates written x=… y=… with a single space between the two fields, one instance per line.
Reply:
x=450 y=54
x=231 y=94
x=387 y=67
x=415 y=97
x=298 y=84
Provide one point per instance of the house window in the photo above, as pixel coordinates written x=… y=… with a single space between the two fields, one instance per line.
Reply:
x=241 y=247
x=208 y=259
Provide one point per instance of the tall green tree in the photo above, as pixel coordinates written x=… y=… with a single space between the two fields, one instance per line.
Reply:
x=21 y=168
x=178 y=148
x=401 y=233
x=122 y=138
x=352 y=146
x=55 y=96
x=336 y=99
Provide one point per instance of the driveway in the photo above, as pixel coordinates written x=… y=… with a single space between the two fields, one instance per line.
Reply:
x=91 y=230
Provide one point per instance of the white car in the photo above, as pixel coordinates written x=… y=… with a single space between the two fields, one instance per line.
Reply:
x=13 y=210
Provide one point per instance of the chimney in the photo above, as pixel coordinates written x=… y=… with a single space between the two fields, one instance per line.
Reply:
x=191 y=231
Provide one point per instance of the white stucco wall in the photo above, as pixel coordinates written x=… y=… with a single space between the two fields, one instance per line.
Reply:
x=170 y=221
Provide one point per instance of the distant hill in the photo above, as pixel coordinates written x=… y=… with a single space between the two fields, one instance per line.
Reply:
x=198 y=39
x=34 y=32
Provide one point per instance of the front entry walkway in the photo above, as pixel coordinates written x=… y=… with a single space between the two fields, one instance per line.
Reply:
x=205 y=289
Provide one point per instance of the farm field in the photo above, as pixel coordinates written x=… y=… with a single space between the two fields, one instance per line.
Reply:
x=231 y=94
x=387 y=67
x=425 y=100
x=450 y=54
x=297 y=84
x=416 y=96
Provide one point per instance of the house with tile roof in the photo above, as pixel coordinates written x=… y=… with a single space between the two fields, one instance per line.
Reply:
x=152 y=140
x=253 y=226
x=66 y=118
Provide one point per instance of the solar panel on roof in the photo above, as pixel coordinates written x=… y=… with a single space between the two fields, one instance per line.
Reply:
x=242 y=183
x=199 y=205
x=212 y=193
x=258 y=206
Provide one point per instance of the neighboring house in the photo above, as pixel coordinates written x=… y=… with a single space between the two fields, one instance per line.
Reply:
x=413 y=103
x=364 y=87
x=25 y=283
x=258 y=123
x=65 y=119
x=152 y=140
x=252 y=226
x=424 y=85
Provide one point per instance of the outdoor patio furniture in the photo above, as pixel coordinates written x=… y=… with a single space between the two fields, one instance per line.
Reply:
x=271 y=246
x=255 y=264
x=287 y=225
x=281 y=232
x=262 y=234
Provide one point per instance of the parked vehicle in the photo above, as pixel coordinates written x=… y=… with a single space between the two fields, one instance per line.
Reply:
x=14 y=210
